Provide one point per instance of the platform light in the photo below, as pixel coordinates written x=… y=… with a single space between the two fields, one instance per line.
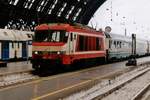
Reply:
x=85 y=3
x=77 y=14
x=69 y=12
x=62 y=9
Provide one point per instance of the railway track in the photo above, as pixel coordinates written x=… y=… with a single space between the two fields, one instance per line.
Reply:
x=131 y=90
x=140 y=94
x=8 y=79
x=116 y=88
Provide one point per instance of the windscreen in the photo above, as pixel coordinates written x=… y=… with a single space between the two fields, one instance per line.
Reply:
x=51 y=36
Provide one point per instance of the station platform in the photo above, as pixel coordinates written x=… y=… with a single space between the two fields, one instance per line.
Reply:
x=16 y=67
x=26 y=65
x=47 y=87
x=143 y=60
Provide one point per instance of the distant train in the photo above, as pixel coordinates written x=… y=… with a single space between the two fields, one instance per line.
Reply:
x=15 y=44
x=65 y=44
x=119 y=46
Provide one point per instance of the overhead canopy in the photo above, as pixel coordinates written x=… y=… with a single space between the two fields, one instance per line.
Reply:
x=42 y=11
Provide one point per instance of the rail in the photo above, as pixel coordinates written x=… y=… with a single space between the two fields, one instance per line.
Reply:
x=139 y=95
x=112 y=89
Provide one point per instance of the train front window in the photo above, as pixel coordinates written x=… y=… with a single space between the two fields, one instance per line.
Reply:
x=51 y=36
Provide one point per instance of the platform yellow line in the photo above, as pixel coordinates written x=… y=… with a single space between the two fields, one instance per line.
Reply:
x=52 y=93
x=73 y=86
x=52 y=77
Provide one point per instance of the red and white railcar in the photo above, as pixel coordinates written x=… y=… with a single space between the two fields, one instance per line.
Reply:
x=65 y=44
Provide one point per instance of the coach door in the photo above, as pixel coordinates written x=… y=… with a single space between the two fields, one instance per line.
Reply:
x=24 y=50
x=5 y=50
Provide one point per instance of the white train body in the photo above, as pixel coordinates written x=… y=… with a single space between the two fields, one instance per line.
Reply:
x=119 y=46
x=15 y=44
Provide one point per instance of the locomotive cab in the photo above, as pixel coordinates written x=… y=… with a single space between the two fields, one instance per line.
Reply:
x=51 y=46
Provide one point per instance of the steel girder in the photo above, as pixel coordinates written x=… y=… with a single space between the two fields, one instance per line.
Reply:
x=45 y=11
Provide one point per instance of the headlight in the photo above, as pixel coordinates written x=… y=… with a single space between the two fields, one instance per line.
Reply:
x=61 y=52
x=35 y=52
x=58 y=52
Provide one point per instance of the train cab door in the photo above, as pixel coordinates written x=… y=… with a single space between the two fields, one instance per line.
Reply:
x=5 y=50
x=71 y=43
x=24 y=50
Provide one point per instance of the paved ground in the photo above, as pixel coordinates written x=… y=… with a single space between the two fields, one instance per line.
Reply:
x=45 y=86
x=15 y=67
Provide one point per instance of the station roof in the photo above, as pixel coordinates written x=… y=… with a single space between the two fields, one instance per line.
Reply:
x=45 y=11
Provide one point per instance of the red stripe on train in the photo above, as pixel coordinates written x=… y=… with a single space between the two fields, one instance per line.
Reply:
x=48 y=44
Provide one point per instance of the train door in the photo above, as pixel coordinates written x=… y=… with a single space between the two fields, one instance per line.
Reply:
x=71 y=43
x=5 y=50
x=24 y=50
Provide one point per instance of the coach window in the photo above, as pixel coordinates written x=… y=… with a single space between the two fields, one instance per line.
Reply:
x=12 y=45
x=18 y=45
x=120 y=44
x=115 y=44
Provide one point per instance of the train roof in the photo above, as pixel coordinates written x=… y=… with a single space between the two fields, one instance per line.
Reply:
x=122 y=37
x=14 y=35
x=68 y=27
x=118 y=36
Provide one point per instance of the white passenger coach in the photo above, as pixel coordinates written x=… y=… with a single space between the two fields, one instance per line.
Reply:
x=15 y=44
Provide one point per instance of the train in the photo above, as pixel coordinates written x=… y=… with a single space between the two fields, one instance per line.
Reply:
x=65 y=44
x=15 y=44
x=120 y=47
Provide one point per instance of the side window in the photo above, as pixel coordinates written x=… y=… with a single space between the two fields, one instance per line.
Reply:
x=65 y=37
x=115 y=44
x=57 y=36
x=120 y=44
x=18 y=45
x=12 y=45
x=53 y=37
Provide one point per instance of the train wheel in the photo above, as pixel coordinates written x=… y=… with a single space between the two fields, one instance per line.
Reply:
x=36 y=67
x=67 y=67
